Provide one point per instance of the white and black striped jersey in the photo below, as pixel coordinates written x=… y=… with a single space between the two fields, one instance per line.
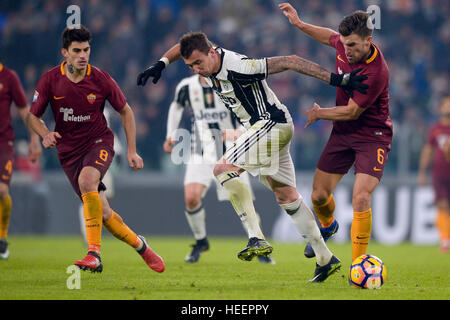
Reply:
x=242 y=86
x=209 y=117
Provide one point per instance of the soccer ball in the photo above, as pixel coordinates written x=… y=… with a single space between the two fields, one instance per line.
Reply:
x=367 y=272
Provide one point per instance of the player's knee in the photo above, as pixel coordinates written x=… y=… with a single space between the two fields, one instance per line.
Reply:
x=219 y=168
x=192 y=201
x=87 y=183
x=287 y=195
x=4 y=190
x=319 y=196
x=361 y=201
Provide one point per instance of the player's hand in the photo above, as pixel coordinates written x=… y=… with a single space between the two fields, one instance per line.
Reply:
x=290 y=13
x=311 y=114
x=350 y=81
x=168 y=145
x=49 y=140
x=154 y=71
x=34 y=150
x=135 y=161
x=422 y=179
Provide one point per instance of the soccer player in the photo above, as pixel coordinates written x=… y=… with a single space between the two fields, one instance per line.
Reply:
x=214 y=128
x=241 y=84
x=11 y=90
x=362 y=128
x=77 y=93
x=433 y=152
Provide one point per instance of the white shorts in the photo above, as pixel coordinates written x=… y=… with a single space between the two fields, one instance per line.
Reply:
x=264 y=150
x=198 y=172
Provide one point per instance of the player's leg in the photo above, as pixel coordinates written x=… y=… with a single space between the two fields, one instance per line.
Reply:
x=6 y=170
x=322 y=199
x=361 y=228
x=441 y=187
x=370 y=160
x=114 y=223
x=241 y=199
x=336 y=159
x=323 y=203
x=443 y=224
x=195 y=215
x=5 y=215
x=88 y=182
x=303 y=218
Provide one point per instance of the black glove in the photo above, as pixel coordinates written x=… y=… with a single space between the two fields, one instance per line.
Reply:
x=350 y=81
x=154 y=71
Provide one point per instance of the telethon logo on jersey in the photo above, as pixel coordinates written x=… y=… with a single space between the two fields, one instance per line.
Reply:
x=68 y=115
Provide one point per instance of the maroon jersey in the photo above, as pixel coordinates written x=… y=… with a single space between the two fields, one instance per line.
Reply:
x=10 y=90
x=374 y=124
x=437 y=136
x=77 y=107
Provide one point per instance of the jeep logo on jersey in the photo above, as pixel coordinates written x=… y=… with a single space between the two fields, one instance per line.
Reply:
x=210 y=116
x=68 y=115
x=91 y=98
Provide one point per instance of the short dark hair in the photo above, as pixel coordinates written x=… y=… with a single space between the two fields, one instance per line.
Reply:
x=194 y=41
x=358 y=22
x=70 y=34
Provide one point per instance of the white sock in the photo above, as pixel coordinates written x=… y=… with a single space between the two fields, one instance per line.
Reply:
x=196 y=220
x=303 y=219
x=242 y=202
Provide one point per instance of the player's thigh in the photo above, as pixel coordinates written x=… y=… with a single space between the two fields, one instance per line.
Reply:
x=324 y=183
x=363 y=189
x=371 y=158
x=259 y=145
x=336 y=158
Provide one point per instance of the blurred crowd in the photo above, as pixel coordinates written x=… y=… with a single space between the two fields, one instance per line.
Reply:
x=128 y=36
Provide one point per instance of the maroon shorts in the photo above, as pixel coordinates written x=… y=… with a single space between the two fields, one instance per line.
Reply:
x=441 y=186
x=6 y=163
x=98 y=156
x=342 y=151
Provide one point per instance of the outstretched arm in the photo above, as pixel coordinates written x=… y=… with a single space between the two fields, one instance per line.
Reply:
x=297 y=64
x=319 y=34
x=348 y=81
x=156 y=69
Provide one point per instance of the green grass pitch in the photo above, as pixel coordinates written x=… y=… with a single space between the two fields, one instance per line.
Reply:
x=37 y=270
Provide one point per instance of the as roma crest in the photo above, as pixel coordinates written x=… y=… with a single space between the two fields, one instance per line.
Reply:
x=91 y=98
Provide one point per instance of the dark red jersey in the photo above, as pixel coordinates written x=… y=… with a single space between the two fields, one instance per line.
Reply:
x=374 y=124
x=10 y=90
x=437 y=136
x=77 y=107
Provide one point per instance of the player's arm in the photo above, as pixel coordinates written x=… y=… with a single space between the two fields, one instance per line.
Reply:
x=34 y=148
x=319 y=34
x=156 y=69
x=173 y=121
x=348 y=81
x=424 y=162
x=48 y=137
x=129 y=126
x=351 y=111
